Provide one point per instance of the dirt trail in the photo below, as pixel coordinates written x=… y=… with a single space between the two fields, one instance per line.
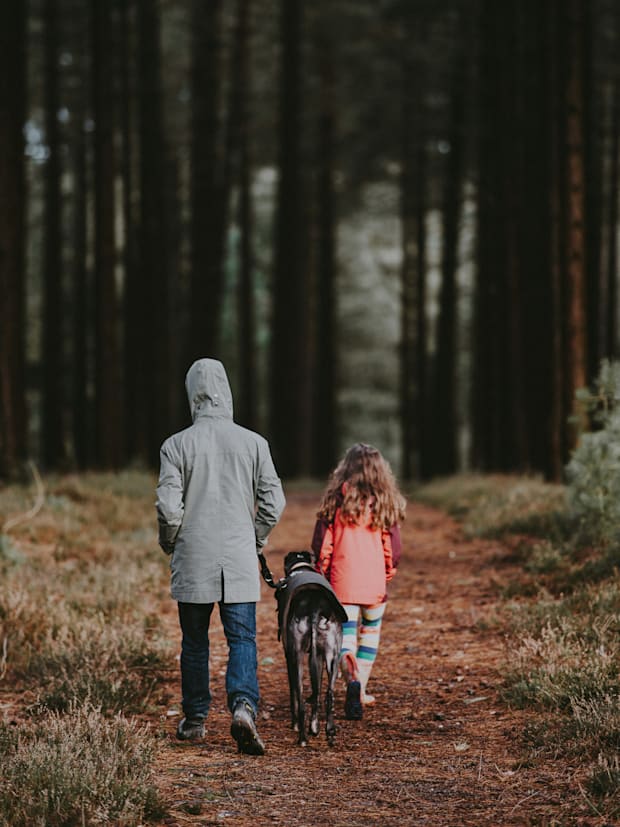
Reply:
x=438 y=748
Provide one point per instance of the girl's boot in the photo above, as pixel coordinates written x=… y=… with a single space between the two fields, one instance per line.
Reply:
x=353 y=709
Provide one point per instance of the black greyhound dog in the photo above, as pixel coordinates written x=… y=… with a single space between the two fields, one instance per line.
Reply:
x=310 y=619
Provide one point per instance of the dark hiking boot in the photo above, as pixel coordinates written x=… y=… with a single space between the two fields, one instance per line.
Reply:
x=353 y=709
x=243 y=730
x=191 y=729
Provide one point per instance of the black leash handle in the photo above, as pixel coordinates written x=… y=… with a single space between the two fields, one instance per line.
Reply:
x=264 y=570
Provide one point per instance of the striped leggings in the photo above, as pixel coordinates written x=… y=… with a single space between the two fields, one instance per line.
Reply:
x=360 y=636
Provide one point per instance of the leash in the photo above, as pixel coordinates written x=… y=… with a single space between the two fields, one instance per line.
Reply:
x=266 y=573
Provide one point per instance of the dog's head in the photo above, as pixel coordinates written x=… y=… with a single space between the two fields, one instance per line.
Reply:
x=297 y=560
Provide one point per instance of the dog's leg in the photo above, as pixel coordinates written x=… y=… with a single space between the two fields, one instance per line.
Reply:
x=315 y=663
x=291 y=668
x=301 y=710
x=332 y=662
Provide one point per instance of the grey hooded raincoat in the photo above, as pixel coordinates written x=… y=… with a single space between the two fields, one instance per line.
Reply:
x=218 y=496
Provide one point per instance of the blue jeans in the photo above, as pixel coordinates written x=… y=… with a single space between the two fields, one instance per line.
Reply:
x=239 y=622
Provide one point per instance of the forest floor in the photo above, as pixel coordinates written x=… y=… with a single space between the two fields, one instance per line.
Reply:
x=438 y=748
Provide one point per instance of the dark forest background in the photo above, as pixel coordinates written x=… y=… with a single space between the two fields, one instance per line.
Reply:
x=394 y=221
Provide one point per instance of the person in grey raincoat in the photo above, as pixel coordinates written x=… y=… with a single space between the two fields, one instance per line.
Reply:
x=218 y=497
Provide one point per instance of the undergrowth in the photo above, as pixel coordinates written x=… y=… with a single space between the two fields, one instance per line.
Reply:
x=80 y=638
x=562 y=611
x=77 y=768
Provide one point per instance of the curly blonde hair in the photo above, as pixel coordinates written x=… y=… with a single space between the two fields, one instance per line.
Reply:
x=361 y=479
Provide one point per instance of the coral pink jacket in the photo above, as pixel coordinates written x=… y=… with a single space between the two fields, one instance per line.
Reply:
x=357 y=560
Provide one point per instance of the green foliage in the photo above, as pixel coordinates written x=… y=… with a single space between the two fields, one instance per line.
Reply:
x=78 y=768
x=594 y=470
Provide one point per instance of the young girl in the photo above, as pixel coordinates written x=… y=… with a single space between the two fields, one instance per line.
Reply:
x=357 y=546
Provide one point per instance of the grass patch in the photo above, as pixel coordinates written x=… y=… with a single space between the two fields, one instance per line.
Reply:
x=81 y=582
x=495 y=505
x=78 y=768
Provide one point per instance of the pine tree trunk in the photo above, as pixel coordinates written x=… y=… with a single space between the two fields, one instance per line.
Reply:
x=248 y=363
x=413 y=239
x=288 y=353
x=558 y=410
x=82 y=413
x=108 y=389
x=155 y=346
x=137 y=277
x=489 y=322
x=444 y=438
x=593 y=197
x=611 y=344
x=53 y=367
x=207 y=245
x=326 y=427
x=12 y=227
x=575 y=207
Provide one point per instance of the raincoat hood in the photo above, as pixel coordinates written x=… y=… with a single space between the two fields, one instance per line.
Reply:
x=208 y=389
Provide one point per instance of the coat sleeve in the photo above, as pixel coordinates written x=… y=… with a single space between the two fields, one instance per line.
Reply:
x=326 y=550
x=320 y=527
x=396 y=544
x=169 y=503
x=388 y=555
x=270 y=499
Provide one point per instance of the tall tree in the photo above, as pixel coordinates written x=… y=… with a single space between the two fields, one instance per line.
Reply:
x=324 y=396
x=82 y=414
x=248 y=400
x=413 y=206
x=53 y=315
x=445 y=430
x=575 y=205
x=80 y=293
x=206 y=182
x=136 y=298
x=611 y=341
x=489 y=354
x=107 y=374
x=554 y=156
x=12 y=209
x=289 y=414
x=155 y=348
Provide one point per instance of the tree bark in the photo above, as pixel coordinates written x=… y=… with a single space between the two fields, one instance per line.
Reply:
x=108 y=389
x=288 y=353
x=12 y=226
x=325 y=412
x=136 y=318
x=445 y=435
x=206 y=195
x=53 y=363
x=489 y=306
x=611 y=343
x=82 y=409
x=558 y=412
x=155 y=307
x=575 y=208
x=248 y=363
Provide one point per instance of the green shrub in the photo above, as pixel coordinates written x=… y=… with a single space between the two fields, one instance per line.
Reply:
x=79 y=768
x=593 y=472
